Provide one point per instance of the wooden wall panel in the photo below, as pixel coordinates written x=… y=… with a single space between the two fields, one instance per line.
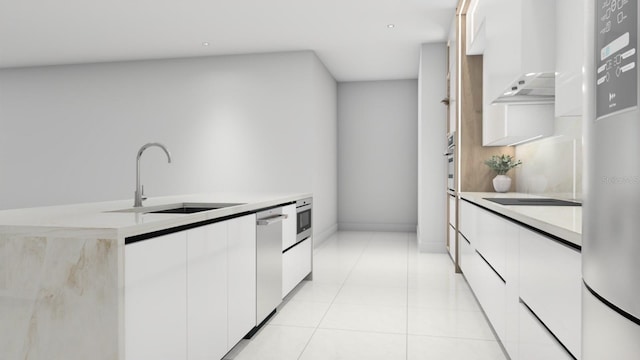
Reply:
x=474 y=174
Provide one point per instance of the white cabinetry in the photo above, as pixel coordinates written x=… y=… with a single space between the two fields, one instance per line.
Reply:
x=289 y=230
x=156 y=298
x=242 y=277
x=476 y=15
x=296 y=260
x=296 y=265
x=506 y=264
x=569 y=57
x=550 y=285
x=453 y=86
x=515 y=123
x=536 y=341
x=484 y=260
x=452 y=241
x=520 y=40
x=191 y=294
x=452 y=227
x=206 y=291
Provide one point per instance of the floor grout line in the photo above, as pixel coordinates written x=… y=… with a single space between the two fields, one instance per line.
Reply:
x=360 y=250
x=334 y=298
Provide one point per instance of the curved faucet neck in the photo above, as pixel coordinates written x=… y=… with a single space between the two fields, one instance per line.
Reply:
x=138 y=196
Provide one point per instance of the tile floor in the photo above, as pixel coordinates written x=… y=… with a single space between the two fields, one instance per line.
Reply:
x=374 y=296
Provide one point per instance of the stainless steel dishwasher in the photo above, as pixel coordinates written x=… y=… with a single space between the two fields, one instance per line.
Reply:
x=268 y=262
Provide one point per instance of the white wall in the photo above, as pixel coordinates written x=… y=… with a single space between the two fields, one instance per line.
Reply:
x=70 y=134
x=377 y=144
x=432 y=169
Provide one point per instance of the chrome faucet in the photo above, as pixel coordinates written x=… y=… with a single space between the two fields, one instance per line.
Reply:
x=139 y=195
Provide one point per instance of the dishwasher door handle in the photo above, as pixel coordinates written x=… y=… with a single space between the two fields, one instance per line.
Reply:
x=272 y=220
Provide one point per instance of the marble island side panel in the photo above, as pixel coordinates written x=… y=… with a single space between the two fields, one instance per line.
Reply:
x=61 y=294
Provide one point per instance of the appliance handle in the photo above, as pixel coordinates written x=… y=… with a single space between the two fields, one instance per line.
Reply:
x=272 y=220
x=303 y=208
x=447 y=154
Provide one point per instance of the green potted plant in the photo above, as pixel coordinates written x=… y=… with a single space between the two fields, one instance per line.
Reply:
x=501 y=164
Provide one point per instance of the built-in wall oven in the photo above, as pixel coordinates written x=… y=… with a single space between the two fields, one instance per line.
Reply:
x=303 y=221
x=451 y=164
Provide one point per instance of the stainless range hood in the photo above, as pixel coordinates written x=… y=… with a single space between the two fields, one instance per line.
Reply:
x=532 y=88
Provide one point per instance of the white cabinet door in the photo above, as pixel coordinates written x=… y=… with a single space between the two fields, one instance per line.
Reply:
x=535 y=341
x=156 y=298
x=289 y=229
x=476 y=27
x=242 y=277
x=569 y=57
x=550 y=284
x=296 y=265
x=207 y=292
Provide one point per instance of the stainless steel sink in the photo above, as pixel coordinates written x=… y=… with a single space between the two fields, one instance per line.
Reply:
x=180 y=208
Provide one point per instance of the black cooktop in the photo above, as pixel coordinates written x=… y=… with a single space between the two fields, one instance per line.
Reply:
x=533 y=202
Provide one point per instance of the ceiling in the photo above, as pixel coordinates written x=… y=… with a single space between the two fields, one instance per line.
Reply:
x=351 y=37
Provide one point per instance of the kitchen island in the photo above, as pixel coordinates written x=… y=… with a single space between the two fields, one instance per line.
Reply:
x=62 y=270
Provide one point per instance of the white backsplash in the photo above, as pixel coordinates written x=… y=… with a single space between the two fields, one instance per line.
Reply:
x=553 y=166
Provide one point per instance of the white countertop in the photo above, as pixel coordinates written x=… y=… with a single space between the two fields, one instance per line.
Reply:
x=101 y=216
x=564 y=222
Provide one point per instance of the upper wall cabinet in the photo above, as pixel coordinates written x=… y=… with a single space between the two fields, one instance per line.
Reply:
x=569 y=56
x=519 y=53
x=476 y=15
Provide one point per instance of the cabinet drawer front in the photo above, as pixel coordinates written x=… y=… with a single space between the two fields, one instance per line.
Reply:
x=467 y=221
x=296 y=265
x=535 y=341
x=452 y=210
x=550 y=284
x=494 y=233
x=452 y=242
x=491 y=293
x=466 y=253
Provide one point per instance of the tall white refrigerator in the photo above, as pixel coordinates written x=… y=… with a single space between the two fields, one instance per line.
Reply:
x=611 y=220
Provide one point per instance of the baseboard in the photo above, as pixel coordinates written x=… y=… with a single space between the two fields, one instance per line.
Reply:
x=346 y=226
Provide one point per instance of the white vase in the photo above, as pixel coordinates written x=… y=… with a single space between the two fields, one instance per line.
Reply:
x=501 y=183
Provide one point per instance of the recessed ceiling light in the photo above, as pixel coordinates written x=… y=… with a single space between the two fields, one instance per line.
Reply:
x=205 y=43
x=391 y=26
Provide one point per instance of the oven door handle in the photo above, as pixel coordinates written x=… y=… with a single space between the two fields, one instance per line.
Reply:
x=303 y=208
